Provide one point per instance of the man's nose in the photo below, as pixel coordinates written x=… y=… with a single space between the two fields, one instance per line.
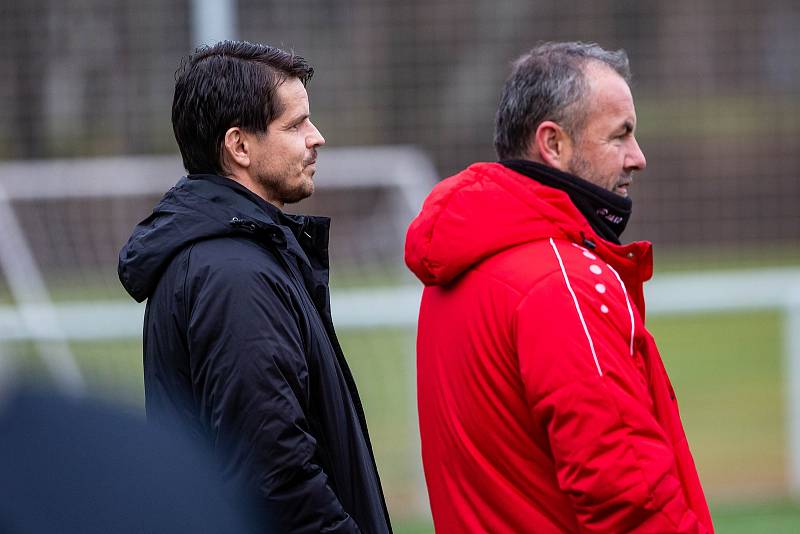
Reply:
x=315 y=139
x=635 y=160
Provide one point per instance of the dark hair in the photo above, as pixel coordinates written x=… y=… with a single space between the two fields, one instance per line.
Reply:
x=231 y=83
x=548 y=83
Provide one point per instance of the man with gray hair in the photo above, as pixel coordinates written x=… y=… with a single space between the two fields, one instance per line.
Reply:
x=544 y=405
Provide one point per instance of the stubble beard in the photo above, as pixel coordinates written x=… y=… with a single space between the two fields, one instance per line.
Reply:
x=582 y=169
x=286 y=191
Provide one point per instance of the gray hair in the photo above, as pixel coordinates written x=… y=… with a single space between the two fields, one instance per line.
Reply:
x=548 y=83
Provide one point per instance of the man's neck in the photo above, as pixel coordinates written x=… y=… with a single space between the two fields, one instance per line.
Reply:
x=245 y=180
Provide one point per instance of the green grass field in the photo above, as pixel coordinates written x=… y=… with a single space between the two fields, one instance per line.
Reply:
x=726 y=369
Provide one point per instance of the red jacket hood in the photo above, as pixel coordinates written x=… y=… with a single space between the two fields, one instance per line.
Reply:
x=488 y=208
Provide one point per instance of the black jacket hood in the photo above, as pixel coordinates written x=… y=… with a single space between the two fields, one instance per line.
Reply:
x=203 y=207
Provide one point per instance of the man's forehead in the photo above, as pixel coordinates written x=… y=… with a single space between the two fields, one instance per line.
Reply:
x=292 y=84
x=608 y=91
x=292 y=96
x=601 y=75
x=292 y=88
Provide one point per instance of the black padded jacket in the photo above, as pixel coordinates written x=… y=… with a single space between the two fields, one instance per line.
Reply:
x=239 y=345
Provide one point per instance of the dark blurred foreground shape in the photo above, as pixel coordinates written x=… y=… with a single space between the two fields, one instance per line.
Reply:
x=79 y=466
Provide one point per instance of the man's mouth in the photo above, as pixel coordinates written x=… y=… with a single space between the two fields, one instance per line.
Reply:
x=310 y=161
x=622 y=187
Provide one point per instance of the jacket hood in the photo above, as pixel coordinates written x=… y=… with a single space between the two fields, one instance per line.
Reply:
x=485 y=209
x=197 y=208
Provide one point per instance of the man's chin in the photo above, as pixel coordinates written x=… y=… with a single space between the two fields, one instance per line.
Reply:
x=300 y=193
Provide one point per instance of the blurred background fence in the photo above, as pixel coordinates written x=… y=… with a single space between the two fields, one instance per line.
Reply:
x=85 y=95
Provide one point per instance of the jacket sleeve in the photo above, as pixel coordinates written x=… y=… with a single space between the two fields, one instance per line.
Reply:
x=250 y=378
x=590 y=399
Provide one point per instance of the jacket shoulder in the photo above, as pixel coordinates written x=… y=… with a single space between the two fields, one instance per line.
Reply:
x=580 y=263
x=537 y=265
x=238 y=255
x=233 y=265
x=580 y=267
x=581 y=281
x=232 y=262
x=522 y=267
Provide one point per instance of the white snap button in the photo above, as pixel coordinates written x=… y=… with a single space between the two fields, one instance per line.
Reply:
x=595 y=269
x=600 y=288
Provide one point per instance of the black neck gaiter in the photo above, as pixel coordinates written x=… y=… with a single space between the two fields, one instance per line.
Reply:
x=607 y=212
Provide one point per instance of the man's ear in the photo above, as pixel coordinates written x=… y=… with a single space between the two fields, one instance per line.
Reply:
x=553 y=144
x=236 y=149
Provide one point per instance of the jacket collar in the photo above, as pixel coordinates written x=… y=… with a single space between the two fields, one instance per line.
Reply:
x=215 y=189
x=306 y=236
x=607 y=213
x=633 y=262
x=205 y=207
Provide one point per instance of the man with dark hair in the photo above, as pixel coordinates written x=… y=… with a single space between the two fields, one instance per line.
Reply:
x=238 y=338
x=544 y=405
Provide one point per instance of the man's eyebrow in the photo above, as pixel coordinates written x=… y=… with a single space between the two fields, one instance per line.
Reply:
x=299 y=118
x=628 y=126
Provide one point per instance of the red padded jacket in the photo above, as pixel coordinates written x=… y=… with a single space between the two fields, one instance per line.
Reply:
x=543 y=402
